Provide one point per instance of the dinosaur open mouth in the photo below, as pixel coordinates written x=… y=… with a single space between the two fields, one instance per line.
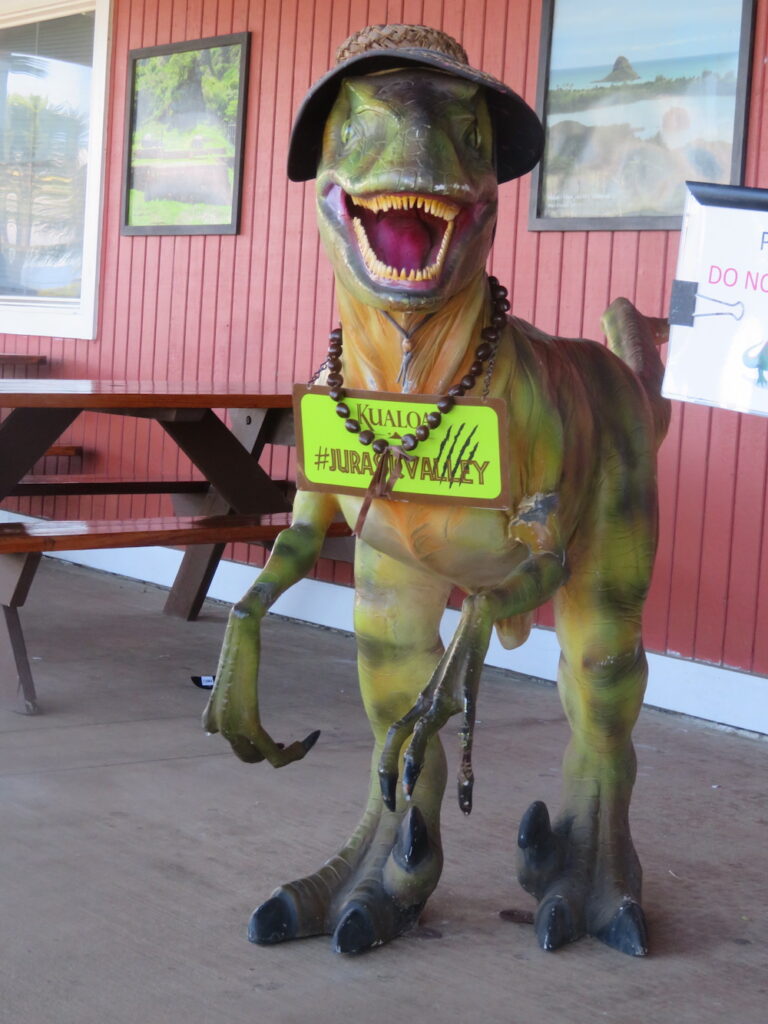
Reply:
x=403 y=236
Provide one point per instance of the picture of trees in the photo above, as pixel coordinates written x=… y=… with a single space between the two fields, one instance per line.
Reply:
x=185 y=120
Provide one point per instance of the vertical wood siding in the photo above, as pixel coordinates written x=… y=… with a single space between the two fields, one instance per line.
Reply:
x=260 y=304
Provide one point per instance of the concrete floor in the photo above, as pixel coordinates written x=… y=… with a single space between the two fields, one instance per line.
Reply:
x=134 y=847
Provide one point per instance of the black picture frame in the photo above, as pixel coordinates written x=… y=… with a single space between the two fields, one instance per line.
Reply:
x=184 y=123
x=636 y=174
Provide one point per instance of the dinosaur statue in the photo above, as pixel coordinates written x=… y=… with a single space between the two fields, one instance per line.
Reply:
x=756 y=358
x=408 y=143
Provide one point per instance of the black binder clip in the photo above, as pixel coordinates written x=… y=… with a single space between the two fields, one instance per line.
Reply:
x=682 y=306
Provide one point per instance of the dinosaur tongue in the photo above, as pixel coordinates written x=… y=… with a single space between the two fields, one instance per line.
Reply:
x=400 y=239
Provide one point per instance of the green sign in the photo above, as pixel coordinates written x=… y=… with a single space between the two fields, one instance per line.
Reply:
x=463 y=459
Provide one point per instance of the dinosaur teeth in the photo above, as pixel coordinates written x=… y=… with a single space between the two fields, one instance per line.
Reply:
x=443 y=208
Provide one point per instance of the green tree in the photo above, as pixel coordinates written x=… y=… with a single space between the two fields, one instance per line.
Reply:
x=175 y=85
x=42 y=185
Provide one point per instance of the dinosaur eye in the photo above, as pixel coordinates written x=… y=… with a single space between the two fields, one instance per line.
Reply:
x=349 y=132
x=472 y=136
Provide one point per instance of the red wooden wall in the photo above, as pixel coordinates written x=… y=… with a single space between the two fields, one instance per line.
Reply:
x=260 y=304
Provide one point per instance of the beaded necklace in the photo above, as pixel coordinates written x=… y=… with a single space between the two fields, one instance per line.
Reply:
x=390 y=456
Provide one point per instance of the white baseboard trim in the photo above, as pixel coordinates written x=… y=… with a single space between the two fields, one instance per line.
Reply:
x=722 y=695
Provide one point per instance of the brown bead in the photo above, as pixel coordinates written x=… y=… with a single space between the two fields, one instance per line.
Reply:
x=498 y=320
x=433 y=419
x=489 y=334
x=337 y=394
x=476 y=367
x=483 y=350
x=468 y=382
x=333 y=363
x=352 y=426
x=446 y=403
x=334 y=380
x=408 y=442
x=380 y=445
x=335 y=348
x=422 y=431
x=342 y=409
x=456 y=391
x=503 y=304
x=335 y=335
x=365 y=436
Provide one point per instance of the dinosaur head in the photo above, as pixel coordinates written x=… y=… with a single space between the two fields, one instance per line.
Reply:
x=408 y=144
x=406 y=187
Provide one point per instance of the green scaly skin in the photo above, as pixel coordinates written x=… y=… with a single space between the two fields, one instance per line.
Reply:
x=584 y=428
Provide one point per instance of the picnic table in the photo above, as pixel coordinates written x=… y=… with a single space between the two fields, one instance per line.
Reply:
x=225 y=455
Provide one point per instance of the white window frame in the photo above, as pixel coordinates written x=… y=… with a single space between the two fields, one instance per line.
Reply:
x=48 y=317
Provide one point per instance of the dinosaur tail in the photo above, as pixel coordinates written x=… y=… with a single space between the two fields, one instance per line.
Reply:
x=635 y=339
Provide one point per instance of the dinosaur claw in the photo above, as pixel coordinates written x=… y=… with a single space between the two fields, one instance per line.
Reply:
x=272 y=922
x=363 y=925
x=535 y=832
x=465 y=794
x=355 y=932
x=309 y=741
x=411 y=773
x=626 y=931
x=413 y=840
x=554 y=924
x=388 y=783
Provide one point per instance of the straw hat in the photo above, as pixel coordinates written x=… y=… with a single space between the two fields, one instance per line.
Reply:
x=518 y=135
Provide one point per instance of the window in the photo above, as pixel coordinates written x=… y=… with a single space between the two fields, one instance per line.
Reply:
x=52 y=83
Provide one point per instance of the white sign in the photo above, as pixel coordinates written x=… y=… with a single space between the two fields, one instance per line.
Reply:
x=718 y=343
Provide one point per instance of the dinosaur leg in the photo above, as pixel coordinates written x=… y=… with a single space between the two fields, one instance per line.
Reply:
x=376 y=886
x=583 y=869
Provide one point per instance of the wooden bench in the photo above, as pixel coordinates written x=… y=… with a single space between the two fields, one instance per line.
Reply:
x=15 y=359
x=57 y=485
x=64 y=451
x=48 y=485
x=23 y=543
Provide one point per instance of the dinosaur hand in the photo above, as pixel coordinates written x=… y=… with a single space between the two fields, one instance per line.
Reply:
x=233 y=708
x=431 y=711
x=452 y=689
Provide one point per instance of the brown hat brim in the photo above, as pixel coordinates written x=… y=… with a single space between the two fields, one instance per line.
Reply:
x=518 y=134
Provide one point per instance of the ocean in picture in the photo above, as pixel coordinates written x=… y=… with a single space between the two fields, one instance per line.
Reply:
x=648 y=70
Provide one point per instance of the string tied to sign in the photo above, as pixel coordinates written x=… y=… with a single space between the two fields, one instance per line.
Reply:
x=389 y=469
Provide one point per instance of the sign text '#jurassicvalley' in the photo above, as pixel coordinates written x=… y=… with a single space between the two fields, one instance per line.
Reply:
x=461 y=461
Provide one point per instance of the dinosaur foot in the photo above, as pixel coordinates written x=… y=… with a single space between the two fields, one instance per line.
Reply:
x=364 y=897
x=577 y=898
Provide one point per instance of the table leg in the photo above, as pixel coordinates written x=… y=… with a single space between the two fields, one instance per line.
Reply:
x=231 y=468
x=25 y=436
x=16 y=574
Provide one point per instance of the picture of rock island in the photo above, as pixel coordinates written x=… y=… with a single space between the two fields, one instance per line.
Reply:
x=638 y=102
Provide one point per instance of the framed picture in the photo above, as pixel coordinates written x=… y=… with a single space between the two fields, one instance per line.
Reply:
x=184 y=137
x=636 y=99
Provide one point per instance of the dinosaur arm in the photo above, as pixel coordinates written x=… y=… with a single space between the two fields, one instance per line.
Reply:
x=233 y=708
